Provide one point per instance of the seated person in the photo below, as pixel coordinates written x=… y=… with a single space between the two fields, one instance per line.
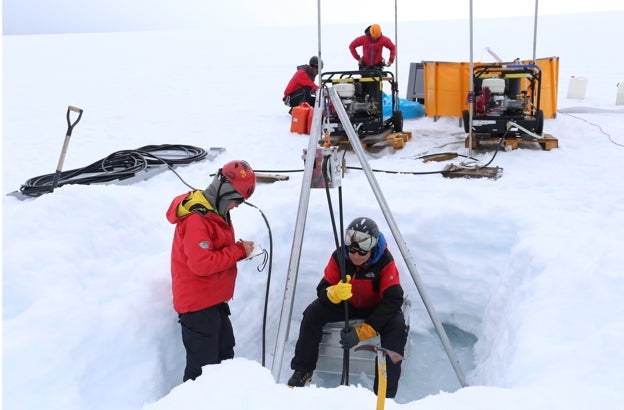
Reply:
x=372 y=290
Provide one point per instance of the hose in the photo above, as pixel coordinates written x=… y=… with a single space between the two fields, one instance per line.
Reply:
x=119 y=165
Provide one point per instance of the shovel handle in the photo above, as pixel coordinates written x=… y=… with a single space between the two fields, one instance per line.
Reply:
x=70 y=128
x=70 y=125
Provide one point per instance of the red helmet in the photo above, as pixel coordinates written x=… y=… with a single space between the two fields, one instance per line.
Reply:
x=241 y=176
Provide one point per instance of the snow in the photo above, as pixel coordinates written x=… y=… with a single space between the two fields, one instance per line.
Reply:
x=525 y=270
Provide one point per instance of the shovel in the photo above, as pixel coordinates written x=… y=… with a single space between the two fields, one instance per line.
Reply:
x=382 y=374
x=70 y=128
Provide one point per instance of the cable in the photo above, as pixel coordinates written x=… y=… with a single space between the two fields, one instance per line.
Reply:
x=268 y=285
x=341 y=260
x=595 y=125
x=120 y=165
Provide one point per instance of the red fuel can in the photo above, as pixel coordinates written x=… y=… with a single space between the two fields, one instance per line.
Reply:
x=301 y=119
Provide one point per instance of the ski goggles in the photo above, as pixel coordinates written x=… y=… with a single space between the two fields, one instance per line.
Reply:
x=353 y=249
x=361 y=240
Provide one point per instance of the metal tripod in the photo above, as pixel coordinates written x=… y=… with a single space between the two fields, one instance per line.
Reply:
x=304 y=199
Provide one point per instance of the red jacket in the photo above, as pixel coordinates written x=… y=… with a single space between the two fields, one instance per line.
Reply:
x=376 y=285
x=203 y=255
x=302 y=78
x=365 y=294
x=372 y=49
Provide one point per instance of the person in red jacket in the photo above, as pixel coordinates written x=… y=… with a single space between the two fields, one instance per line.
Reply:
x=373 y=292
x=203 y=264
x=301 y=87
x=372 y=43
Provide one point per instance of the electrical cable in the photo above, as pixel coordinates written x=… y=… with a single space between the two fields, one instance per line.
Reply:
x=396 y=172
x=341 y=260
x=498 y=146
x=120 y=165
x=595 y=125
x=268 y=285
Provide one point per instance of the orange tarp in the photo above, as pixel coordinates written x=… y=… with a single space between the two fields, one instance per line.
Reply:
x=446 y=86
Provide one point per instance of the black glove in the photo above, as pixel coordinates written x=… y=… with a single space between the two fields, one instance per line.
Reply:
x=349 y=338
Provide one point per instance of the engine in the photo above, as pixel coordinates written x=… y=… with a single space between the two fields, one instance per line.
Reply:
x=495 y=99
x=358 y=99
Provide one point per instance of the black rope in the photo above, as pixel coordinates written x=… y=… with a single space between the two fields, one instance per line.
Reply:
x=120 y=165
x=341 y=260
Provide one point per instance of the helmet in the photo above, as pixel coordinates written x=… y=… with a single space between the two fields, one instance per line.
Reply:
x=314 y=61
x=362 y=233
x=241 y=176
x=375 y=31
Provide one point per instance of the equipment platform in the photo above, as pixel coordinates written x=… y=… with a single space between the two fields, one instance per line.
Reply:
x=547 y=142
x=376 y=142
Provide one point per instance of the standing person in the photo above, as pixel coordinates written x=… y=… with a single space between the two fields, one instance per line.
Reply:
x=372 y=43
x=373 y=291
x=203 y=264
x=301 y=87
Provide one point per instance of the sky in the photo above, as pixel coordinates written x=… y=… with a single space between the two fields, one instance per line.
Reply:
x=524 y=271
x=64 y=16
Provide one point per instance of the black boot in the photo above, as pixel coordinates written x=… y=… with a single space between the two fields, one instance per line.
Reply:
x=299 y=379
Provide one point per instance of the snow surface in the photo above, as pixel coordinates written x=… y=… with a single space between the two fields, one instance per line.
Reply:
x=525 y=270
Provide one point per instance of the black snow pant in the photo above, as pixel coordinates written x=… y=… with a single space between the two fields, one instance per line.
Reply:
x=393 y=337
x=366 y=67
x=208 y=338
x=299 y=97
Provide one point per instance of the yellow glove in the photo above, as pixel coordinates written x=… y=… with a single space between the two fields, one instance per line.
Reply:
x=354 y=335
x=365 y=331
x=340 y=291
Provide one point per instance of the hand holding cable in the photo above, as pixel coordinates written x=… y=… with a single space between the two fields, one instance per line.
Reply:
x=248 y=245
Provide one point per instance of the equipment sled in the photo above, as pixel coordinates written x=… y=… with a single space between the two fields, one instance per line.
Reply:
x=361 y=95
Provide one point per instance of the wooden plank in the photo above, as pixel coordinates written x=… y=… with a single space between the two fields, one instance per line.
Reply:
x=270 y=178
x=547 y=142
x=440 y=157
x=453 y=171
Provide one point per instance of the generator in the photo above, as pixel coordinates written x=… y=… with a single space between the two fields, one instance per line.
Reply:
x=503 y=93
x=361 y=95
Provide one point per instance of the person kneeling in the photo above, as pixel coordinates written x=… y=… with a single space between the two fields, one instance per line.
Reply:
x=301 y=87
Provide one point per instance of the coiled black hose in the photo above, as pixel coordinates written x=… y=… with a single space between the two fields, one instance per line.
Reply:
x=119 y=165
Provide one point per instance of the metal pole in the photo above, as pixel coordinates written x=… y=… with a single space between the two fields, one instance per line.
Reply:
x=295 y=251
x=318 y=30
x=302 y=212
x=396 y=45
x=471 y=95
x=535 y=31
x=357 y=148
